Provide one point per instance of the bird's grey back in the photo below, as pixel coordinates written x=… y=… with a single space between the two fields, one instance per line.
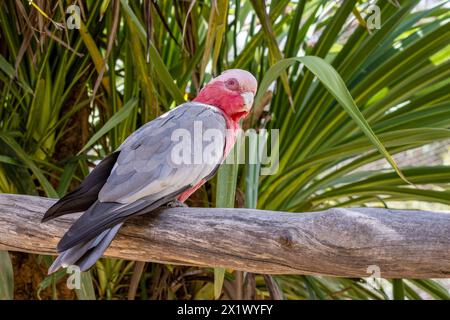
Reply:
x=148 y=164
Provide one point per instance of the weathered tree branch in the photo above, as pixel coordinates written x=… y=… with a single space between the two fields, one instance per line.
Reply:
x=338 y=242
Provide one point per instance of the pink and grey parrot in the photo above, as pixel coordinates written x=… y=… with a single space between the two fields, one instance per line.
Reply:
x=140 y=176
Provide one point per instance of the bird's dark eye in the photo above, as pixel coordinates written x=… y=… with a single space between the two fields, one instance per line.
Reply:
x=232 y=84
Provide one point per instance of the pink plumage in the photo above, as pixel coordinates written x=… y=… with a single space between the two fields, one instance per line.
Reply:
x=226 y=92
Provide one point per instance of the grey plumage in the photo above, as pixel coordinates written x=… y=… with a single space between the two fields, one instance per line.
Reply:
x=144 y=176
x=85 y=254
x=86 y=194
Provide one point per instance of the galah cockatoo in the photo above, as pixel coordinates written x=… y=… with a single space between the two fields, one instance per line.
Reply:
x=141 y=175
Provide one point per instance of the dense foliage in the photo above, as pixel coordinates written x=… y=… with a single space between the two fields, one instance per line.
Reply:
x=68 y=97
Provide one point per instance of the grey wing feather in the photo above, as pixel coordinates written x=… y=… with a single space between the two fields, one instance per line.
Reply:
x=104 y=215
x=86 y=194
x=146 y=175
x=86 y=253
x=146 y=166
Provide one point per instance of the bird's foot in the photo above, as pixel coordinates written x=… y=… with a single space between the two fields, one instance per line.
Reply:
x=176 y=204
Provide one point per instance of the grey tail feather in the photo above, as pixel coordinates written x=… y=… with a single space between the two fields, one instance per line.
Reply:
x=85 y=254
x=86 y=194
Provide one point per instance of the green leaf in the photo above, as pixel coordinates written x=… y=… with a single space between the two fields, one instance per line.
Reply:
x=434 y=288
x=146 y=84
x=219 y=276
x=50 y=280
x=9 y=160
x=216 y=28
x=226 y=185
x=336 y=86
x=86 y=292
x=398 y=289
x=36 y=109
x=9 y=70
x=67 y=176
x=28 y=161
x=117 y=118
x=225 y=197
x=205 y=293
x=6 y=277
x=155 y=58
x=274 y=50
x=6 y=67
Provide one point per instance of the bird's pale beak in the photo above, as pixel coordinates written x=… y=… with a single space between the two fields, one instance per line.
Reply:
x=248 y=100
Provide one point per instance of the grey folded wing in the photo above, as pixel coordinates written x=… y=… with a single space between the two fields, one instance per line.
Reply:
x=156 y=163
x=174 y=151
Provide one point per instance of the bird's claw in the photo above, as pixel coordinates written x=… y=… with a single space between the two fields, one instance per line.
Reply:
x=176 y=204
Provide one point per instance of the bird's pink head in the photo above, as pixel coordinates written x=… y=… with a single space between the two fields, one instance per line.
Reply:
x=233 y=92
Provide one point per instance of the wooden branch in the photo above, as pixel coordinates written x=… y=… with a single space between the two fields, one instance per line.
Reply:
x=337 y=242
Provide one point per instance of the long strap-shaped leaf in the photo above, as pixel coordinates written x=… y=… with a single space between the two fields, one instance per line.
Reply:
x=86 y=291
x=336 y=86
x=155 y=58
x=225 y=197
x=117 y=118
x=6 y=277
x=28 y=161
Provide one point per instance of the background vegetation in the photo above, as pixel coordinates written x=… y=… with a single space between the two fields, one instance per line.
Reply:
x=70 y=97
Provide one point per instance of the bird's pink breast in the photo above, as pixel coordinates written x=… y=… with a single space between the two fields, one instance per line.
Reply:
x=230 y=140
x=232 y=129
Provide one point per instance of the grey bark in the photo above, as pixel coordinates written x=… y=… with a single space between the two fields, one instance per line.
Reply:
x=338 y=242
